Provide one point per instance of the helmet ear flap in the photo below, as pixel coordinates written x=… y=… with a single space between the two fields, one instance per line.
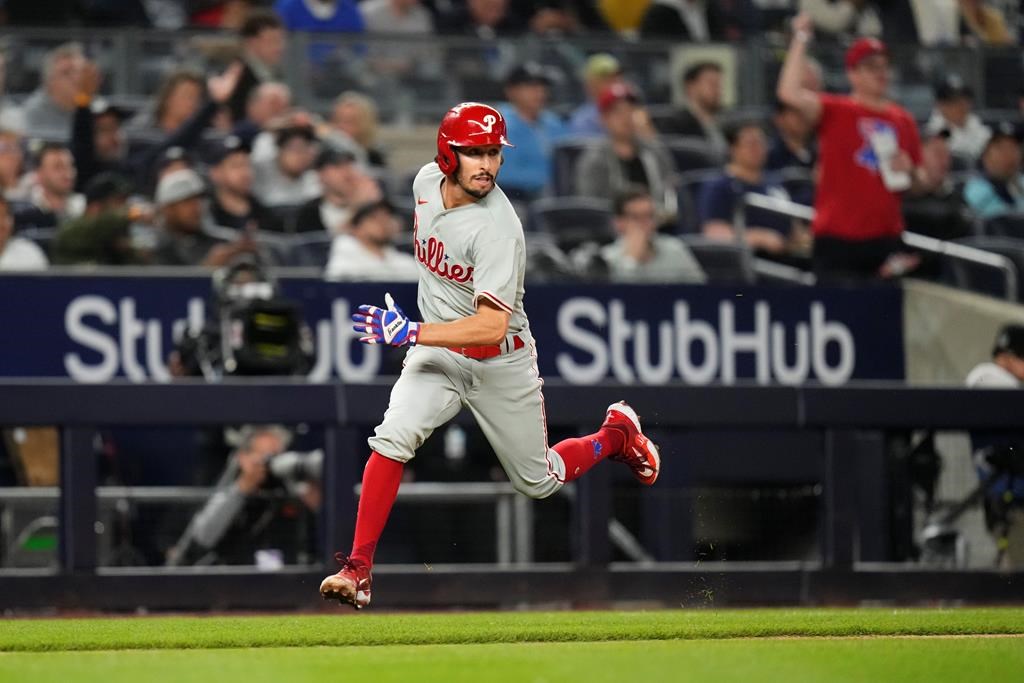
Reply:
x=447 y=160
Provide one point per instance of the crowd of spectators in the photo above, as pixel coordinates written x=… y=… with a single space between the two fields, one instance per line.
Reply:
x=223 y=163
x=925 y=22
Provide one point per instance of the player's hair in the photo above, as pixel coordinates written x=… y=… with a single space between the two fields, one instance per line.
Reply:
x=268 y=86
x=168 y=86
x=259 y=21
x=48 y=148
x=367 y=111
x=697 y=69
x=627 y=197
x=65 y=51
x=732 y=131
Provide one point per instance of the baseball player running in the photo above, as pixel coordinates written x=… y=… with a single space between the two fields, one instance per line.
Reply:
x=473 y=349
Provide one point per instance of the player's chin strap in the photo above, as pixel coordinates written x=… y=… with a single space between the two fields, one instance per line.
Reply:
x=385 y=326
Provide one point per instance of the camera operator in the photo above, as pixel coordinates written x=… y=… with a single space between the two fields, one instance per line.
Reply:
x=997 y=455
x=262 y=510
x=251 y=330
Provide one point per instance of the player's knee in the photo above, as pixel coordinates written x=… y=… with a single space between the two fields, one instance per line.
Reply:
x=400 y=450
x=537 y=490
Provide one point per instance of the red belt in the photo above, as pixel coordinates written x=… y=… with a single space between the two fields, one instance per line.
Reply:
x=489 y=351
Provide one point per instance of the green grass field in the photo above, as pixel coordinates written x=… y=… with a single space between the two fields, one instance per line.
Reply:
x=793 y=646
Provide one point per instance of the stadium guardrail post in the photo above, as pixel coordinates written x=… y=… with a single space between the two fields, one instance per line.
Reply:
x=339 y=503
x=77 y=533
x=592 y=508
x=840 y=498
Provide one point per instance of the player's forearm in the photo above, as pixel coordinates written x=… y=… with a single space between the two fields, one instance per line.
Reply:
x=475 y=330
x=790 y=88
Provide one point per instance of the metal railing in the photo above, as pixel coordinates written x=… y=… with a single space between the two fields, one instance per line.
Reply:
x=951 y=250
x=513 y=536
x=418 y=77
x=850 y=422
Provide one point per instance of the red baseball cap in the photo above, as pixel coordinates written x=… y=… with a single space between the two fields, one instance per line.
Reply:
x=863 y=48
x=614 y=93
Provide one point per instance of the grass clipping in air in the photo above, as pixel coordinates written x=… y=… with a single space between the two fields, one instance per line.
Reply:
x=347 y=628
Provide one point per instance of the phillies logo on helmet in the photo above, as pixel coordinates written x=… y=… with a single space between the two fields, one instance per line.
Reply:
x=490 y=120
x=467 y=125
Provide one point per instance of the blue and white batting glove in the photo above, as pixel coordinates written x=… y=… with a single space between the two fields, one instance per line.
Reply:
x=385 y=326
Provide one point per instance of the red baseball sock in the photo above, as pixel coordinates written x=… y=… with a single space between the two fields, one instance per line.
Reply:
x=582 y=453
x=380 y=487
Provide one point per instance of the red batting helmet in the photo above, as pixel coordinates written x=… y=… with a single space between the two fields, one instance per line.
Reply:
x=467 y=125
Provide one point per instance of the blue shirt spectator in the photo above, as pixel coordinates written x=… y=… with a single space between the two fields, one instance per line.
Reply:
x=338 y=16
x=600 y=71
x=768 y=233
x=719 y=197
x=586 y=121
x=990 y=198
x=533 y=131
x=999 y=189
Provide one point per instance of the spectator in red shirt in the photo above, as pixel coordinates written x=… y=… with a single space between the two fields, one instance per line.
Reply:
x=870 y=154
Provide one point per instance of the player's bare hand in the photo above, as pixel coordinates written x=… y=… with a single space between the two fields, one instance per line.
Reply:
x=89 y=79
x=222 y=86
x=901 y=162
x=385 y=325
x=802 y=23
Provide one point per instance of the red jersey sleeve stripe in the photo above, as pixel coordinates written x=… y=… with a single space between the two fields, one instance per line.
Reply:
x=501 y=304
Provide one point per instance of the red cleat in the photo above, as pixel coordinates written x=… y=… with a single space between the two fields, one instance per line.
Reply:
x=351 y=584
x=639 y=452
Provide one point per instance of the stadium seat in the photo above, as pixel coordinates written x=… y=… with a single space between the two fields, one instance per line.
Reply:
x=692 y=153
x=274 y=247
x=723 y=262
x=688 y=189
x=566 y=154
x=545 y=262
x=288 y=214
x=309 y=250
x=1010 y=225
x=44 y=237
x=983 y=279
x=571 y=221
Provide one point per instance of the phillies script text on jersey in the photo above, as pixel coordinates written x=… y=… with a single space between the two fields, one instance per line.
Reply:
x=430 y=253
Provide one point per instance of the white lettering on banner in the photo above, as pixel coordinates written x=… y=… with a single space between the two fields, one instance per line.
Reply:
x=119 y=348
x=574 y=309
x=79 y=332
x=343 y=343
x=735 y=342
x=321 y=371
x=720 y=344
x=131 y=330
x=687 y=332
x=619 y=332
x=824 y=332
x=661 y=372
x=120 y=328
x=798 y=372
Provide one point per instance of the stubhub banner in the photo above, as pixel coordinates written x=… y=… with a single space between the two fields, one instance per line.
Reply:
x=97 y=328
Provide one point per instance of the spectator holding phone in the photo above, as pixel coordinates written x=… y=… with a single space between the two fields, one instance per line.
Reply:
x=870 y=155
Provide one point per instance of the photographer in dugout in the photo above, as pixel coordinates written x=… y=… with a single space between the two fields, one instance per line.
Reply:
x=998 y=457
x=262 y=511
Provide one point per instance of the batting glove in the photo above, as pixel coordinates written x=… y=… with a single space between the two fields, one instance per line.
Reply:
x=385 y=326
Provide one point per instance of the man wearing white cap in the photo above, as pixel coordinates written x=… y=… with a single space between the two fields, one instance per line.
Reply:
x=184 y=240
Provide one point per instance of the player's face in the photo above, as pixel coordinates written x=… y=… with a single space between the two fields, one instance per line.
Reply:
x=638 y=216
x=871 y=76
x=478 y=169
x=751 y=149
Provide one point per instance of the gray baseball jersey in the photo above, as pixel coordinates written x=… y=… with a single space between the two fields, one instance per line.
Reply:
x=465 y=254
